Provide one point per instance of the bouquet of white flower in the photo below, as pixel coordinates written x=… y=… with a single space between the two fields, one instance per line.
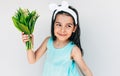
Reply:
x=24 y=21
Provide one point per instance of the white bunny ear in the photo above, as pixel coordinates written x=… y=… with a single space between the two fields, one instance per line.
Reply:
x=53 y=7
x=65 y=4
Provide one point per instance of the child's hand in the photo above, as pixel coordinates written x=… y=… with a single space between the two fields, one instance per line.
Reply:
x=25 y=37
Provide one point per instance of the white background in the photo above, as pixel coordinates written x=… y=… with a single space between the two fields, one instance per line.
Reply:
x=100 y=36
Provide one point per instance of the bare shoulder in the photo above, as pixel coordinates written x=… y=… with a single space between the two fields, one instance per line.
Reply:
x=44 y=43
x=46 y=39
x=76 y=51
x=43 y=46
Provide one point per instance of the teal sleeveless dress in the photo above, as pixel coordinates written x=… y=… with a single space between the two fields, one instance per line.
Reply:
x=58 y=61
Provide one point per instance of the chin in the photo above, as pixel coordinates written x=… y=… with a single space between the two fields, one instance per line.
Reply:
x=62 y=38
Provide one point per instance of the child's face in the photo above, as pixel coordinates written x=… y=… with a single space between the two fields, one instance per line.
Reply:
x=63 y=27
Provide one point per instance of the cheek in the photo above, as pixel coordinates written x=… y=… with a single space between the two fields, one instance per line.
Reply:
x=69 y=32
x=55 y=31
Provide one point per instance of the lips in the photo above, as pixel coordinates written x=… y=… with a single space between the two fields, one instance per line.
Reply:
x=62 y=34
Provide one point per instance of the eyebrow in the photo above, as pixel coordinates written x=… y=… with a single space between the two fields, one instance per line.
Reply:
x=57 y=22
x=67 y=23
x=70 y=23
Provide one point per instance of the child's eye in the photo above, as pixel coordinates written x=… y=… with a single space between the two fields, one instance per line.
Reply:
x=58 y=24
x=69 y=26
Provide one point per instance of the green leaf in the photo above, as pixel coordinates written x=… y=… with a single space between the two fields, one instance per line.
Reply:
x=20 y=26
x=33 y=20
x=15 y=24
x=33 y=23
x=23 y=28
x=24 y=20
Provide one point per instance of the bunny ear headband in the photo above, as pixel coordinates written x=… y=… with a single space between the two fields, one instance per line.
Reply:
x=64 y=7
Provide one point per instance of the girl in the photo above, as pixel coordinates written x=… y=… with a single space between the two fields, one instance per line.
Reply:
x=63 y=47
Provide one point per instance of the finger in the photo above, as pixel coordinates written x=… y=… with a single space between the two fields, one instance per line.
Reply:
x=31 y=35
x=24 y=36
x=24 y=41
x=22 y=33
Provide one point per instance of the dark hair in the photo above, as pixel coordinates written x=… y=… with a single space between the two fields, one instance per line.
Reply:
x=75 y=37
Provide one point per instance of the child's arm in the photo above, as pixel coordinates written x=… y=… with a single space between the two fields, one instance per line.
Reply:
x=34 y=56
x=76 y=55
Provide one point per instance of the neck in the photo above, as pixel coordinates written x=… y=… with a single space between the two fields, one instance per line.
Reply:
x=60 y=44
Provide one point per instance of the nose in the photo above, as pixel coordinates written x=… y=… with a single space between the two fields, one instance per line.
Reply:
x=63 y=29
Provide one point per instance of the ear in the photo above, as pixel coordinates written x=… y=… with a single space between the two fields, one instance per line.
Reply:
x=75 y=28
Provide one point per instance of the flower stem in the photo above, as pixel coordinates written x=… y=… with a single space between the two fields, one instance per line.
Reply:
x=29 y=45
